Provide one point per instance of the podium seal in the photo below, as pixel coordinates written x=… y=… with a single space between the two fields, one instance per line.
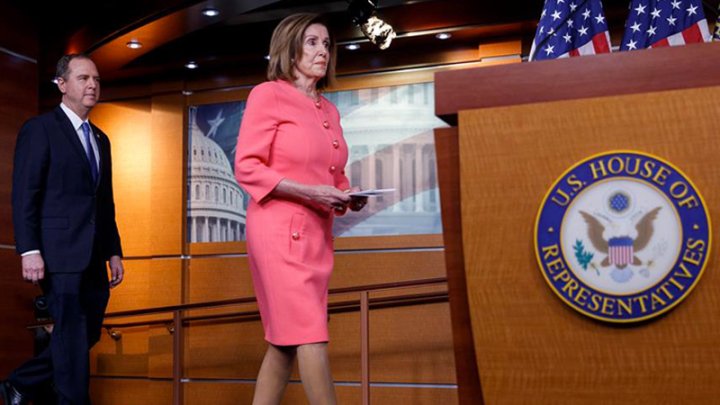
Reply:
x=622 y=236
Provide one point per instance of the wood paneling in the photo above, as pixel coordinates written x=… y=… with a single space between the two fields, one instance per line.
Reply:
x=168 y=179
x=148 y=283
x=148 y=172
x=218 y=278
x=356 y=269
x=18 y=34
x=127 y=125
x=143 y=352
x=405 y=347
x=531 y=347
x=595 y=76
x=345 y=243
x=233 y=394
x=116 y=391
x=16 y=301
x=18 y=103
x=468 y=379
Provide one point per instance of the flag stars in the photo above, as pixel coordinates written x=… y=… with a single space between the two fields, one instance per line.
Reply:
x=651 y=31
x=582 y=30
x=600 y=19
x=573 y=7
x=570 y=23
x=640 y=9
x=556 y=15
x=655 y=13
x=550 y=49
x=692 y=10
x=586 y=13
x=676 y=4
x=671 y=20
x=632 y=45
x=568 y=38
x=635 y=27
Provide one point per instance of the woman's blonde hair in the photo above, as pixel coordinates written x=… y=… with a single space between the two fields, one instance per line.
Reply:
x=286 y=46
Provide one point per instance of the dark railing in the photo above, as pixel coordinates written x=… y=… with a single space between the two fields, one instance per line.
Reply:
x=176 y=324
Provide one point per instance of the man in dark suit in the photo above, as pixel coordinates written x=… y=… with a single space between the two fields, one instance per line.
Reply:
x=65 y=230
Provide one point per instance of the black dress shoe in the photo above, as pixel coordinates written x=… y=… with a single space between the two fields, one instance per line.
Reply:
x=10 y=395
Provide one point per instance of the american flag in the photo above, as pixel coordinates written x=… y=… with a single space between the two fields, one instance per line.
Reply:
x=716 y=36
x=620 y=250
x=658 y=23
x=570 y=28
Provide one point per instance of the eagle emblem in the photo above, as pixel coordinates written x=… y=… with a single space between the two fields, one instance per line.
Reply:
x=621 y=245
x=616 y=244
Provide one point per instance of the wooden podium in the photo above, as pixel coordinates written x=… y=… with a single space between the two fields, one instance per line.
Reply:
x=519 y=127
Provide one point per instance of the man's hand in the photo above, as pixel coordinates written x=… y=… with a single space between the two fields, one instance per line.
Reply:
x=116 y=271
x=33 y=267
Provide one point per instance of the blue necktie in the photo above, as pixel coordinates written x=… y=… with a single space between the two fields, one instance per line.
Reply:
x=89 y=151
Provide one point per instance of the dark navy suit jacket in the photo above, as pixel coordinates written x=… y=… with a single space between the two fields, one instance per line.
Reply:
x=57 y=208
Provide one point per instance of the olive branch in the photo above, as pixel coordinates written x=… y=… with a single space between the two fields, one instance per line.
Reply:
x=582 y=256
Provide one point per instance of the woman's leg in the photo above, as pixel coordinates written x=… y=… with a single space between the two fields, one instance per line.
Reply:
x=315 y=374
x=274 y=375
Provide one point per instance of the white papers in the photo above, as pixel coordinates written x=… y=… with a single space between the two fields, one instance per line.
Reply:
x=372 y=193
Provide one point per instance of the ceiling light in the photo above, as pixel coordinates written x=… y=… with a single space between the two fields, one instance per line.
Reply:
x=352 y=47
x=443 y=35
x=134 y=44
x=191 y=65
x=187 y=92
x=375 y=29
x=210 y=12
x=266 y=57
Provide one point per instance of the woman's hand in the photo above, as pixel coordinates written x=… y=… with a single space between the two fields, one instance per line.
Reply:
x=328 y=198
x=321 y=197
x=356 y=202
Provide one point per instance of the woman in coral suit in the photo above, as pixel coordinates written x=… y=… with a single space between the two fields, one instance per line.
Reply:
x=290 y=158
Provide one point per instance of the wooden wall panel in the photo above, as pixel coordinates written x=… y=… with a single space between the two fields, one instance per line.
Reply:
x=468 y=378
x=602 y=75
x=222 y=278
x=142 y=351
x=412 y=345
x=224 y=349
x=218 y=278
x=168 y=175
x=128 y=126
x=405 y=347
x=116 y=391
x=233 y=394
x=18 y=102
x=16 y=301
x=531 y=347
x=148 y=172
x=148 y=283
x=353 y=269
